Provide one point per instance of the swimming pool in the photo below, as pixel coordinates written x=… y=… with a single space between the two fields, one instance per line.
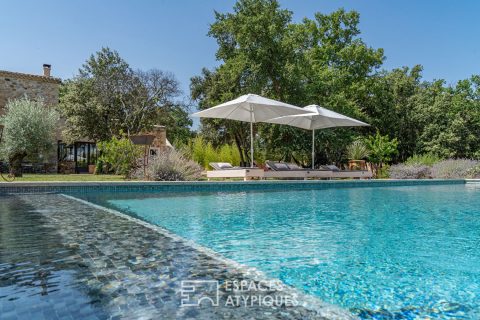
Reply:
x=382 y=252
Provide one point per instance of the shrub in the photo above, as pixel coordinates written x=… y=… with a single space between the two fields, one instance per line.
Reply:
x=427 y=159
x=170 y=165
x=229 y=153
x=474 y=173
x=99 y=167
x=453 y=168
x=410 y=171
x=383 y=172
x=120 y=155
x=357 y=150
x=204 y=152
x=381 y=150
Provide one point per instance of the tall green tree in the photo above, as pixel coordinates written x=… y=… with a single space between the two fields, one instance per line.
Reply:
x=108 y=98
x=450 y=119
x=320 y=61
x=257 y=57
x=391 y=107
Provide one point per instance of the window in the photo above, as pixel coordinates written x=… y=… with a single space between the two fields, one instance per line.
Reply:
x=154 y=152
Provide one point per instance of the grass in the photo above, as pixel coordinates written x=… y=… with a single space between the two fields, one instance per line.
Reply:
x=68 y=177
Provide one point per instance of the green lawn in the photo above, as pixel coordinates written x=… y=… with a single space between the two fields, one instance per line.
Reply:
x=68 y=177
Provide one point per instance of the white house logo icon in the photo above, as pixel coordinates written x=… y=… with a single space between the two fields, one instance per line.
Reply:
x=197 y=292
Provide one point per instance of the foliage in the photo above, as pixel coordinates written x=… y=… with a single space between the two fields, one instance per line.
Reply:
x=99 y=167
x=170 y=165
x=29 y=131
x=108 y=97
x=426 y=159
x=389 y=104
x=382 y=149
x=454 y=169
x=120 y=155
x=229 y=153
x=204 y=152
x=474 y=173
x=357 y=150
x=177 y=121
x=382 y=172
x=450 y=118
x=410 y=171
x=201 y=151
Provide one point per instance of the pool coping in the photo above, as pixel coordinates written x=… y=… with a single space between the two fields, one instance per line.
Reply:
x=307 y=301
x=210 y=186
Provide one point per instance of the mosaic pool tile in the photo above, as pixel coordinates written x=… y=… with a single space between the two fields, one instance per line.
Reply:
x=202 y=186
x=62 y=259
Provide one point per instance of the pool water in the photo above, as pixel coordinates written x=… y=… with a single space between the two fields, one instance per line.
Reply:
x=383 y=252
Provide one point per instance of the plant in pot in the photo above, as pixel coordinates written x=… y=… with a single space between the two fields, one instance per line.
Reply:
x=356 y=153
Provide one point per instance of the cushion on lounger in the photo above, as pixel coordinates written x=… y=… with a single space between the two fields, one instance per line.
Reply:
x=281 y=166
x=277 y=166
x=224 y=165
x=293 y=166
x=221 y=165
x=332 y=167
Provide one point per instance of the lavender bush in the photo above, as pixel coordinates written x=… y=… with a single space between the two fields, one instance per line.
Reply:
x=453 y=169
x=414 y=171
x=170 y=165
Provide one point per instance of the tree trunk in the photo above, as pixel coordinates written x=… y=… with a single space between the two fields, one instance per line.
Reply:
x=16 y=164
x=239 y=147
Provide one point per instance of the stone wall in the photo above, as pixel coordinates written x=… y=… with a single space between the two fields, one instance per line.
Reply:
x=15 y=85
x=160 y=140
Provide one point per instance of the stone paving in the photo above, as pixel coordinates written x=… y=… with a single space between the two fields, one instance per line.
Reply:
x=64 y=259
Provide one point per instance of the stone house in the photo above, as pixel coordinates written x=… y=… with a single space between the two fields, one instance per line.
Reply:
x=15 y=85
x=78 y=157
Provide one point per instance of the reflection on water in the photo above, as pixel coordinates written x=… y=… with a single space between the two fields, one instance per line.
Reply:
x=40 y=278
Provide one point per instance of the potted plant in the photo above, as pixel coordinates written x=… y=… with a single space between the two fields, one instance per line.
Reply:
x=356 y=153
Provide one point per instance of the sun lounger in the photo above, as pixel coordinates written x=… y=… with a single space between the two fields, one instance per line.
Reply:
x=283 y=170
x=287 y=170
x=226 y=170
x=337 y=173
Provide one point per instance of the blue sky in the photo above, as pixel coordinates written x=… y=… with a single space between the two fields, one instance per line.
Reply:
x=171 y=34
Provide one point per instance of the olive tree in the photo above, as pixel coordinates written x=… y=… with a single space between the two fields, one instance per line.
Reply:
x=29 y=131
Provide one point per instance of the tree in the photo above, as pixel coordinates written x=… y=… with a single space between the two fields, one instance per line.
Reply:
x=262 y=51
x=392 y=107
x=29 y=131
x=381 y=150
x=107 y=97
x=178 y=123
x=257 y=58
x=324 y=61
x=450 y=119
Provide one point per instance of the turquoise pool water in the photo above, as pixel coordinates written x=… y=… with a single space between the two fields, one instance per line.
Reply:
x=383 y=253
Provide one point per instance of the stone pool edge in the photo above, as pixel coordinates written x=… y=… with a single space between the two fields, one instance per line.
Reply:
x=210 y=186
x=309 y=302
